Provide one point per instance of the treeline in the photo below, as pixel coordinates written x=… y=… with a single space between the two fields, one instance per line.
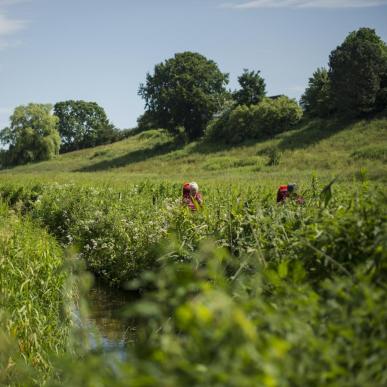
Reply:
x=40 y=131
x=188 y=96
x=188 y=93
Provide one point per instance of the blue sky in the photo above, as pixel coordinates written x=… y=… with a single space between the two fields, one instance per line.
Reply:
x=101 y=50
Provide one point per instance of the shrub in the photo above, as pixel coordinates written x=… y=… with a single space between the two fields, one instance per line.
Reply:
x=274 y=156
x=267 y=118
x=277 y=115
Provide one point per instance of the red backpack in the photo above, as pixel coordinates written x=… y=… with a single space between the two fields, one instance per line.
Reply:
x=282 y=193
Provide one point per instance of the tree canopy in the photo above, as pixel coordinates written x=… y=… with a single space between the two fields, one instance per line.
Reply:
x=253 y=88
x=356 y=71
x=82 y=125
x=185 y=90
x=32 y=135
x=316 y=99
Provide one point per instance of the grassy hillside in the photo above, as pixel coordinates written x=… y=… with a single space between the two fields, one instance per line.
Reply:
x=325 y=148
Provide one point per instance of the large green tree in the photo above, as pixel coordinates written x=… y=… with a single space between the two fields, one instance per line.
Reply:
x=82 y=125
x=316 y=99
x=32 y=135
x=356 y=70
x=252 y=88
x=185 y=90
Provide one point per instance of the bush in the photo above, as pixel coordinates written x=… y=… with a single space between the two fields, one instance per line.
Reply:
x=277 y=115
x=274 y=156
x=269 y=117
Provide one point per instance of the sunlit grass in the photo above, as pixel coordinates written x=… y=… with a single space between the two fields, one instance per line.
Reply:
x=328 y=148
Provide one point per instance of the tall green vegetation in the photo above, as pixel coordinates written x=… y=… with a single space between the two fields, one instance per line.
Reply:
x=265 y=119
x=184 y=91
x=31 y=136
x=280 y=295
x=83 y=125
x=252 y=88
x=33 y=324
x=117 y=233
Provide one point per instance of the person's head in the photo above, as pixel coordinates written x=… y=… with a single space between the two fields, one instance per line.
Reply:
x=186 y=189
x=292 y=187
x=283 y=188
x=194 y=188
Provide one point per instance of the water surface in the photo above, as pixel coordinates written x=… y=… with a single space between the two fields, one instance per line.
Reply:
x=104 y=321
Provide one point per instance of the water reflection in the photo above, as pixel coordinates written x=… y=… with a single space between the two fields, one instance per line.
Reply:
x=106 y=326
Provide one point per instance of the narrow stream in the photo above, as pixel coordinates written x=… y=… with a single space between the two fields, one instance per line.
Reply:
x=106 y=327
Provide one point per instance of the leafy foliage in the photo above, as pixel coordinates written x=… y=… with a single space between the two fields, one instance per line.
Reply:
x=83 y=124
x=116 y=232
x=281 y=295
x=269 y=117
x=33 y=325
x=146 y=122
x=356 y=70
x=252 y=88
x=32 y=135
x=186 y=91
x=316 y=99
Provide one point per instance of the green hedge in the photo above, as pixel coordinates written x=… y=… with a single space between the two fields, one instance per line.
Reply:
x=269 y=117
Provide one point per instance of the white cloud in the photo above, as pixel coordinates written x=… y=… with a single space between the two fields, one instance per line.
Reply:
x=305 y=4
x=11 y=2
x=9 y=26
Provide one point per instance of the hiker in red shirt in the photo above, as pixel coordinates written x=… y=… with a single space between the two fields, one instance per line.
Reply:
x=289 y=191
x=191 y=196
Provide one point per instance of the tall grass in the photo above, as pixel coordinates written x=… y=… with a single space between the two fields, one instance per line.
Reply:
x=117 y=231
x=242 y=292
x=33 y=322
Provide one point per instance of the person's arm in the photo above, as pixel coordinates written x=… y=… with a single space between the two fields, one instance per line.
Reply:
x=198 y=198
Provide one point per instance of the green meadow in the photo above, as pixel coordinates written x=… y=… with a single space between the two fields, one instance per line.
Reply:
x=242 y=292
x=325 y=147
